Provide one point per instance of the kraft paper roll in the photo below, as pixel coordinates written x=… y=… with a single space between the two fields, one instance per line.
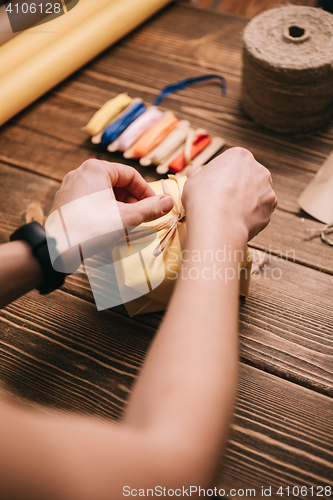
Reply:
x=288 y=69
x=63 y=56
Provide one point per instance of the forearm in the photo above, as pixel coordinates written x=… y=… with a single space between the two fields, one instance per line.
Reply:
x=187 y=385
x=20 y=271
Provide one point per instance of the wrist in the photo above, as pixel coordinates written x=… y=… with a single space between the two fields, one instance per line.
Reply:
x=35 y=236
x=219 y=228
x=27 y=263
x=20 y=271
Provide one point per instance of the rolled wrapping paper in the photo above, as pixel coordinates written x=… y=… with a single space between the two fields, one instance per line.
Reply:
x=162 y=271
x=60 y=58
x=168 y=145
x=146 y=121
x=152 y=137
x=115 y=128
x=108 y=112
x=288 y=69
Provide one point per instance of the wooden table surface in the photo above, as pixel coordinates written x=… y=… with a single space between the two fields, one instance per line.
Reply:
x=59 y=353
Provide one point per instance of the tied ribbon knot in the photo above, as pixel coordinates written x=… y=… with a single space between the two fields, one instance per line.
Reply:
x=174 y=223
x=171 y=224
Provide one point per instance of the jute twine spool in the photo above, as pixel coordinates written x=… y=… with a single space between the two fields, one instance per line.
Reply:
x=288 y=69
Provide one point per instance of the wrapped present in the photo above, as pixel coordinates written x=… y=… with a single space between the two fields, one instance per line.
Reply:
x=149 y=263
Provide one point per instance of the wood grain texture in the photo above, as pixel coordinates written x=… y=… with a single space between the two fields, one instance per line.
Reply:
x=84 y=361
x=249 y=8
x=299 y=350
x=278 y=431
x=59 y=353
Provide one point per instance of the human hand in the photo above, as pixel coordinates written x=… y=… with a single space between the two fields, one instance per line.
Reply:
x=233 y=187
x=137 y=201
x=96 y=202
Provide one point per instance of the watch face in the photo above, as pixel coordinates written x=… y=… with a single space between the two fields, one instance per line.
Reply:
x=23 y=14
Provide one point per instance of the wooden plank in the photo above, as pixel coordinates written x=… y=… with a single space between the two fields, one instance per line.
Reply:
x=59 y=159
x=292 y=237
x=54 y=157
x=247 y=8
x=61 y=352
x=271 y=338
x=58 y=352
x=286 y=324
x=18 y=190
x=281 y=436
x=140 y=75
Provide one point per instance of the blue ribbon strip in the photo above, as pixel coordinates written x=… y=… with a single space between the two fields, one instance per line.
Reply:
x=170 y=89
x=114 y=130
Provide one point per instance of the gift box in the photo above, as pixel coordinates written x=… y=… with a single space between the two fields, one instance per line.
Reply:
x=149 y=263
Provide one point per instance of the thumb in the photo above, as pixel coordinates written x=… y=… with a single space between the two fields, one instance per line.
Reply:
x=151 y=208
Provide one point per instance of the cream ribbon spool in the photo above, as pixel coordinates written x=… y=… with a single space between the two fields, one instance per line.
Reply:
x=288 y=69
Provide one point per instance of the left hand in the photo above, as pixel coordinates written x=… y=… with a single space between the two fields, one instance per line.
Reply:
x=94 y=205
x=137 y=201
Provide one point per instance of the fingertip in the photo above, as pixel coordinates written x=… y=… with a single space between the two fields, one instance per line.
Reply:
x=167 y=203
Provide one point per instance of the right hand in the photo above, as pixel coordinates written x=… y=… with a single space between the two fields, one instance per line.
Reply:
x=233 y=186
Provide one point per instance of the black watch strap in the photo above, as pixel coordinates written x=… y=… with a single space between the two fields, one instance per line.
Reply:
x=34 y=234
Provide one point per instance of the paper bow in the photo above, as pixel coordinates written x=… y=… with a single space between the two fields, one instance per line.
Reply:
x=174 y=223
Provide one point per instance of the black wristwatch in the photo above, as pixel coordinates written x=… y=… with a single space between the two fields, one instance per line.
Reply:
x=34 y=234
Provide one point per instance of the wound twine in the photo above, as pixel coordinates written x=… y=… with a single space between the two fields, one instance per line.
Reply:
x=108 y=112
x=153 y=137
x=146 y=121
x=172 y=142
x=288 y=69
x=200 y=142
x=113 y=131
x=323 y=232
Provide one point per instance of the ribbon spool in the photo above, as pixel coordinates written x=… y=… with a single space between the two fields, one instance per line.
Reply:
x=288 y=69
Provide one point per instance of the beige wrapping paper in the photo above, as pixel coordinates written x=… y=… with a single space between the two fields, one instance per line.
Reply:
x=317 y=198
x=163 y=270
x=55 y=61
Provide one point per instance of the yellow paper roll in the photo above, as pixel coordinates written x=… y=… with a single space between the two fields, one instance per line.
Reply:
x=57 y=60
